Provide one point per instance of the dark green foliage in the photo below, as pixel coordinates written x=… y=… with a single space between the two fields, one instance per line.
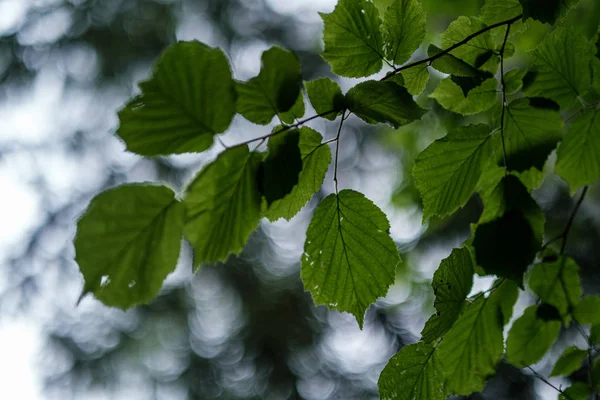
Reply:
x=548 y=11
x=501 y=126
x=511 y=220
x=280 y=169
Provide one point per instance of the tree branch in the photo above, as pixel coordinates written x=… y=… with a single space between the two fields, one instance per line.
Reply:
x=453 y=47
x=503 y=85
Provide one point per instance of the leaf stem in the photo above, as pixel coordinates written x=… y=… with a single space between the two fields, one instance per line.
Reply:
x=284 y=129
x=565 y=233
x=337 y=151
x=547 y=382
x=453 y=47
x=567 y=228
x=503 y=85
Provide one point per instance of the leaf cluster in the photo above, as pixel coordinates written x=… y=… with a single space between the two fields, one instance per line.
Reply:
x=129 y=238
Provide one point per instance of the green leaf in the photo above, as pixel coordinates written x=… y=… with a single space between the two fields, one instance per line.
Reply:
x=349 y=258
x=578 y=156
x=577 y=391
x=223 y=205
x=446 y=173
x=294 y=113
x=382 y=5
x=530 y=134
x=530 y=338
x=563 y=67
x=280 y=169
x=569 y=361
x=511 y=220
x=415 y=79
x=477 y=47
x=450 y=96
x=513 y=80
x=127 y=242
x=557 y=283
x=451 y=284
x=413 y=373
x=495 y=11
x=547 y=11
x=587 y=312
x=315 y=161
x=375 y=101
x=473 y=347
x=325 y=95
x=449 y=64
x=353 y=43
x=274 y=90
x=403 y=29
x=190 y=98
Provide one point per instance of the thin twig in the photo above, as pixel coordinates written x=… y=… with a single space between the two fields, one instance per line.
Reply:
x=428 y=60
x=567 y=228
x=503 y=84
x=337 y=151
x=565 y=234
x=284 y=129
x=547 y=382
x=453 y=47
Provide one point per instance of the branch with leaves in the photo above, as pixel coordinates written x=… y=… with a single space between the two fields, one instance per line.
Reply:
x=129 y=239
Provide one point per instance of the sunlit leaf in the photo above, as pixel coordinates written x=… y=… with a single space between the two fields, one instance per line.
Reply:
x=562 y=67
x=190 y=98
x=415 y=79
x=127 y=242
x=473 y=347
x=587 y=312
x=495 y=11
x=578 y=156
x=353 y=42
x=274 y=90
x=446 y=173
x=403 y=29
x=223 y=205
x=451 y=284
x=450 y=96
x=513 y=80
x=414 y=372
x=315 y=161
x=385 y=102
x=530 y=134
x=530 y=338
x=557 y=283
x=569 y=361
x=349 y=258
x=281 y=167
x=577 y=391
x=476 y=48
x=325 y=95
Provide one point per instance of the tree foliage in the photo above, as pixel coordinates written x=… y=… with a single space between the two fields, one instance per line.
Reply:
x=129 y=238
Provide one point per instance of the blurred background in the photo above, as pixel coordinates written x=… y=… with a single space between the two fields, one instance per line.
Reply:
x=245 y=329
